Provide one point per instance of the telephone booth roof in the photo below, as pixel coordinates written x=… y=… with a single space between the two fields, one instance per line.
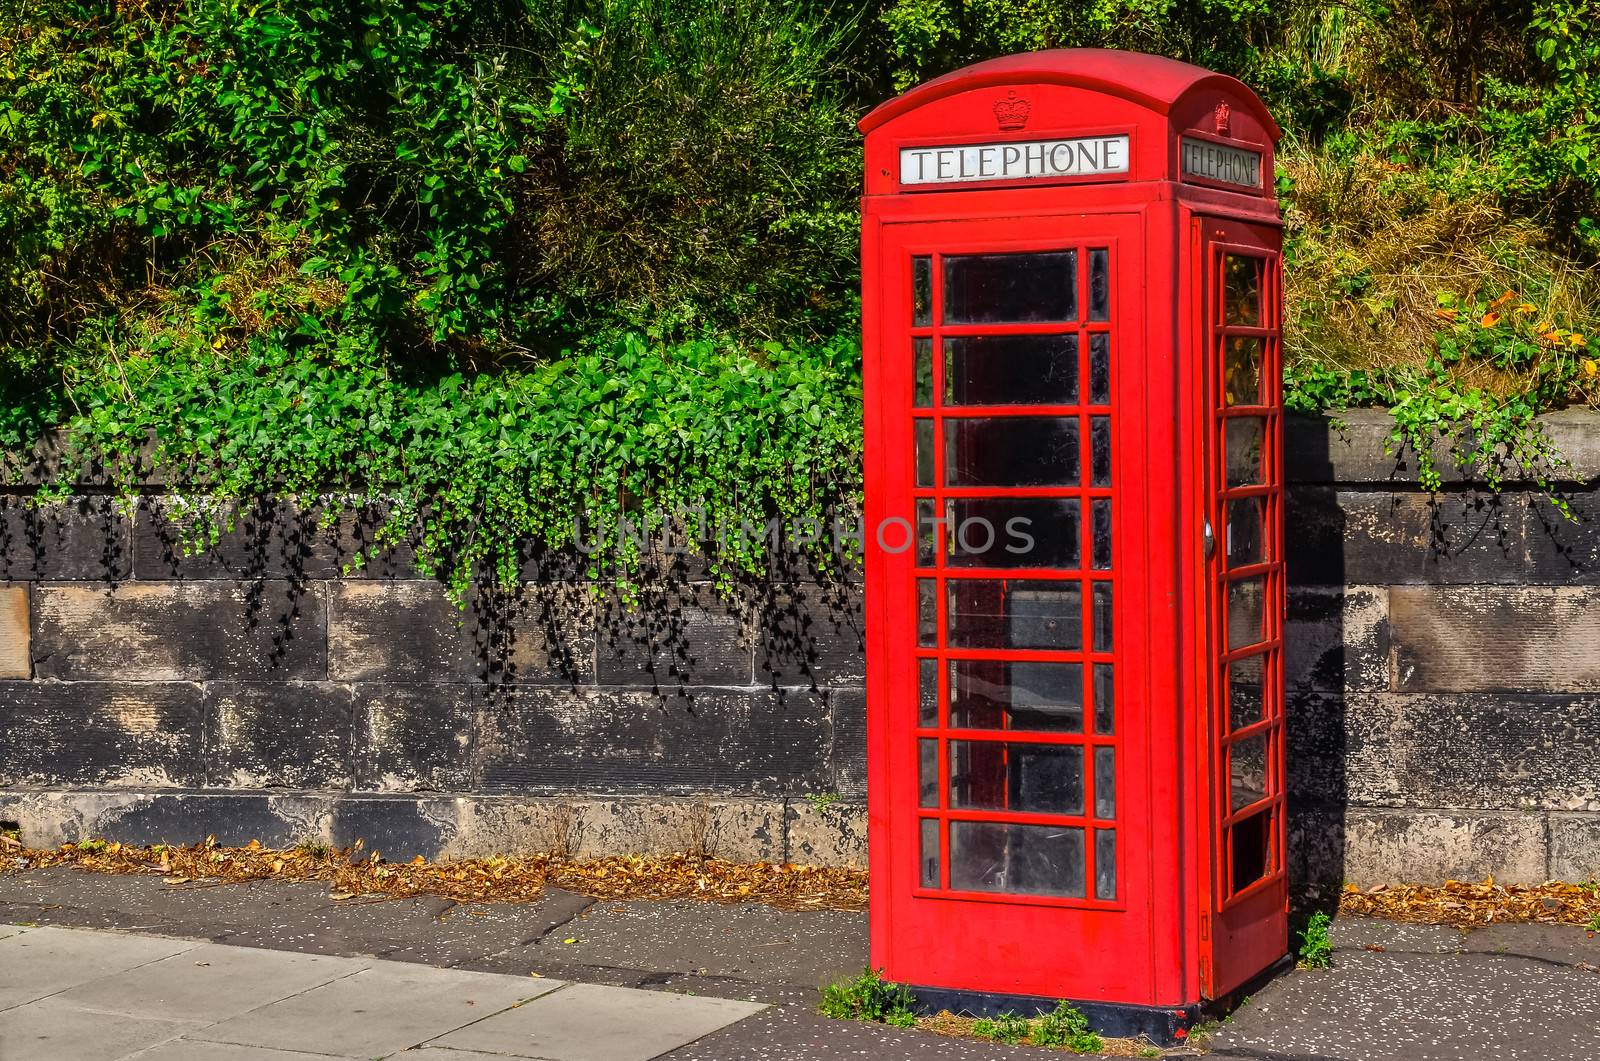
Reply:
x=1156 y=100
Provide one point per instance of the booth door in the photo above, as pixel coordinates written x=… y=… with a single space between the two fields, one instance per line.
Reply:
x=1010 y=745
x=1245 y=572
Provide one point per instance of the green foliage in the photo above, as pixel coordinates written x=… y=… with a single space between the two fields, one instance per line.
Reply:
x=868 y=997
x=1316 y=949
x=1006 y=1028
x=1065 y=1026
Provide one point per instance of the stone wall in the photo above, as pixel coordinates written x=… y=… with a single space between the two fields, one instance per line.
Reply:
x=1444 y=704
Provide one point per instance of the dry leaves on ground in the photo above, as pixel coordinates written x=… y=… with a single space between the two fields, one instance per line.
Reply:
x=1466 y=904
x=352 y=873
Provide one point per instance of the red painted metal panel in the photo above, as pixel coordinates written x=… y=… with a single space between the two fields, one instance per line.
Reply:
x=990 y=771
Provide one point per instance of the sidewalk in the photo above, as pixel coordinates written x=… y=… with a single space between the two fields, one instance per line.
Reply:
x=1401 y=992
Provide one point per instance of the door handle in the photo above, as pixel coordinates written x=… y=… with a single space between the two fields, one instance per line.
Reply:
x=1210 y=539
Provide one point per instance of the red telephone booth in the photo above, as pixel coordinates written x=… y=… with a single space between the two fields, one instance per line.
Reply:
x=1074 y=498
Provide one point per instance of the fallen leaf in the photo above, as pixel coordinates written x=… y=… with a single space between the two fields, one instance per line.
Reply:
x=341 y=895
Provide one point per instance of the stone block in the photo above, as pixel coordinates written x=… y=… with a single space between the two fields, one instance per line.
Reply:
x=1428 y=847
x=411 y=632
x=1337 y=639
x=186 y=631
x=849 y=742
x=278 y=735
x=545 y=740
x=83 y=538
x=262 y=538
x=234 y=818
x=413 y=737
x=1574 y=847
x=812 y=635
x=397 y=827
x=1563 y=551
x=674 y=638
x=15 y=661
x=1480 y=639
x=1473 y=751
x=834 y=834
x=95 y=733
x=1340 y=537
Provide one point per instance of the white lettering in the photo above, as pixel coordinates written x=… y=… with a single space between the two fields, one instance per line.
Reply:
x=1091 y=155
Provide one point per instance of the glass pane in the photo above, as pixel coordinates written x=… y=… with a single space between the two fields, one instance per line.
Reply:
x=992 y=694
x=927 y=693
x=921 y=292
x=1027 y=778
x=923 y=432
x=1105 y=783
x=927 y=532
x=997 y=288
x=1105 y=703
x=930 y=853
x=1102 y=617
x=1100 y=450
x=1247 y=772
x=1247 y=612
x=1099 y=369
x=1241 y=290
x=928 y=773
x=1244 y=523
x=927 y=613
x=1015 y=613
x=922 y=384
x=1244 y=435
x=1105 y=864
x=1252 y=850
x=1012 y=532
x=1099 y=286
x=1100 y=533
x=1021 y=859
x=1011 y=451
x=1245 y=704
x=1241 y=370
x=1011 y=370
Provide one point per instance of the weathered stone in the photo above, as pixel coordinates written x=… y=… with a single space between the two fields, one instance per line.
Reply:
x=410 y=631
x=396 y=827
x=98 y=733
x=263 y=538
x=179 y=631
x=1574 y=847
x=812 y=635
x=14 y=641
x=575 y=740
x=1318 y=737
x=1564 y=551
x=234 y=818
x=1337 y=639
x=827 y=834
x=79 y=538
x=1473 y=751
x=601 y=828
x=278 y=735
x=413 y=737
x=1480 y=639
x=1360 y=537
x=673 y=639
x=1429 y=847
x=849 y=742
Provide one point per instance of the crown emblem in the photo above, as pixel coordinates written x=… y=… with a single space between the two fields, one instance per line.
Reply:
x=1012 y=112
x=1222 y=114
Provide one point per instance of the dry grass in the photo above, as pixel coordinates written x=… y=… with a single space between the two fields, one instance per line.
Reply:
x=955 y=1027
x=351 y=873
x=1374 y=246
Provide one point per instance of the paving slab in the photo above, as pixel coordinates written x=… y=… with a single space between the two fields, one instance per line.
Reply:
x=210 y=983
x=749 y=941
x=51 y=1030
x=191 y=1050
x=379 y=1010
x=38 y=962
x=1410 y=1007
x=788 y=1033
x=589 y=1022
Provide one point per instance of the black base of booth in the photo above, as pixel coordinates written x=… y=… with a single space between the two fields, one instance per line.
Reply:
x=1162 y=1025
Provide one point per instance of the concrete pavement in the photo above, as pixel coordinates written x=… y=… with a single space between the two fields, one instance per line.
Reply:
x=1395 y=993
x=73 y=994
